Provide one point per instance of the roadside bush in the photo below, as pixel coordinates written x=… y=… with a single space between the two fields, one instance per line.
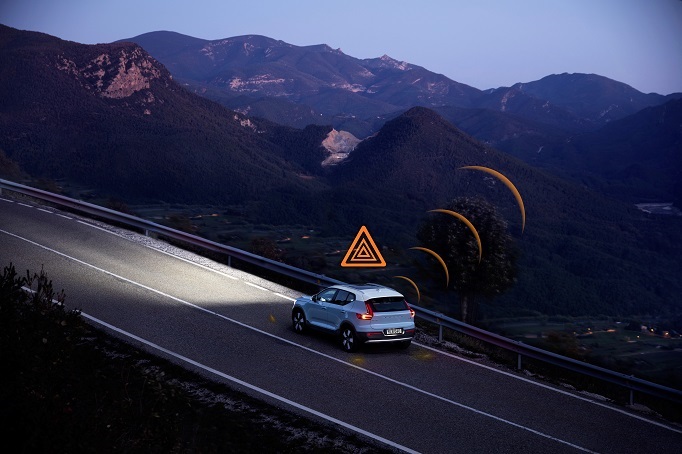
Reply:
x=38 y=339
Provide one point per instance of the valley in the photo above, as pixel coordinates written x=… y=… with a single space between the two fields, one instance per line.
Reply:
x=518 y=168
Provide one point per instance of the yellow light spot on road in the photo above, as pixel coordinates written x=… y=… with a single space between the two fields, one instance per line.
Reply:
x=423 y=355
x=358 y=360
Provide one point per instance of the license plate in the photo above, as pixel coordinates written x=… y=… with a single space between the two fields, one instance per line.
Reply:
x=393 y=331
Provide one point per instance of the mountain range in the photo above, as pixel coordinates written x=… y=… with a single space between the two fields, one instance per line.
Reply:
x=535 y=121
x=110 y=116
x=246 y=72
x=113 y=118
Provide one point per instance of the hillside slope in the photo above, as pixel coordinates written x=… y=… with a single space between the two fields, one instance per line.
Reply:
x=637 y=158
x=581 y=252
x=110 y=116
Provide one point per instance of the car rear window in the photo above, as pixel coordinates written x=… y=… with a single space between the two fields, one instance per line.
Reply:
x=388 y=304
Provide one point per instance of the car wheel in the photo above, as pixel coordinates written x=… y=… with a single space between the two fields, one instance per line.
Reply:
x=349 y=341
x=298 y=320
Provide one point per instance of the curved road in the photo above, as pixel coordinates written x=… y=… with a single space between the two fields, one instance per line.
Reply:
x=236 y=328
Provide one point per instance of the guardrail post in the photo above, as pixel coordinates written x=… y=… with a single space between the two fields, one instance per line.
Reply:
x=518 y=362
x=229 y=261
x=440 y=330
x=632 y=397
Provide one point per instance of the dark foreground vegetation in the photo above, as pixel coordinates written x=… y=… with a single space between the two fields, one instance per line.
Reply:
x=68 y=388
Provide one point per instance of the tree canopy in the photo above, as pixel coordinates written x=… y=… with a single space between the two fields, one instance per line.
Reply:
x=455 y=242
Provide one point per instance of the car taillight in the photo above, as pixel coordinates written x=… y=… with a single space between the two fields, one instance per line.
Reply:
x=368 y=314
x=410 y=309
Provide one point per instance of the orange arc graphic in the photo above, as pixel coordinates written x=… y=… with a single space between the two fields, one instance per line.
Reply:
x=437 y=257
x=413 y=285
x=469 y=224
x=509 y=184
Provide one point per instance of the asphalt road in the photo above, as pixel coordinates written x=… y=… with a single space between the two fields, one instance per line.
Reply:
x=236 y=328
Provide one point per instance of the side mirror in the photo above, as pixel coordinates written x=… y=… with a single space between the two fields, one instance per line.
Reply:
x=314 y=298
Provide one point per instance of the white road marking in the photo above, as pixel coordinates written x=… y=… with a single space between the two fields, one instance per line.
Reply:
x=160 y=250
x=25 y=205
x=243 y=383
x=45 y=211
x=441 y=352
x=98 y=228
x=63 y=216
x=285 y=297
x=257 y=286
x=255 y=388
x=281 y=339
x=6 y=200
x=542 y=385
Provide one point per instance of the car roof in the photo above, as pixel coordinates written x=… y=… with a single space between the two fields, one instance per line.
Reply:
x=370 y=290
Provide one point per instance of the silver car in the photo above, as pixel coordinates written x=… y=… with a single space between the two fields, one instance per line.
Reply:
x=358 y=314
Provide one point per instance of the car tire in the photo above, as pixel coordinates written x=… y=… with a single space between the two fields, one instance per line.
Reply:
x=298 y=320
x=349 y=340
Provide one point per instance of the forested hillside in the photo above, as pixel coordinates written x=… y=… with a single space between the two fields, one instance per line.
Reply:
x=581 y=252
x=110 y=118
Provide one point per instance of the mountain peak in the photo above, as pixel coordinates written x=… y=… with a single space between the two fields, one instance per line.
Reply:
x=417 y=127
x=324 y=48
x=117 y=71
x=589 y=96
x=392 y=62
x=423 y=114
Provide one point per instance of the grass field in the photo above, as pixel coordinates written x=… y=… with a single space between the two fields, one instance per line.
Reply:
x=605 y=342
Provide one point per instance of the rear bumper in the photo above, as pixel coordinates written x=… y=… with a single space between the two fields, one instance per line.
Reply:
x=379 y=336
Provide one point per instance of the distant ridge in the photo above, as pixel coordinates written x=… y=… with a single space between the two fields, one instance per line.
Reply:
x=358 y=95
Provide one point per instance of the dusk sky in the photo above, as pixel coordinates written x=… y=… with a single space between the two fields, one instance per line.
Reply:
x=482 y=43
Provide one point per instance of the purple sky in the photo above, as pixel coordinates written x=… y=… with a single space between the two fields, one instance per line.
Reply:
x=482 y=43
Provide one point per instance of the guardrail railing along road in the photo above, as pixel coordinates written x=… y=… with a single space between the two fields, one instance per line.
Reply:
x=522 y=350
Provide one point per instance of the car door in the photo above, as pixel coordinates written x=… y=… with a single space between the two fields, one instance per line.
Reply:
x=337 y=310
x=317 y=309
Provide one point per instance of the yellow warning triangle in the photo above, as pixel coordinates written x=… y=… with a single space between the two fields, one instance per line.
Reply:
x=363 y=252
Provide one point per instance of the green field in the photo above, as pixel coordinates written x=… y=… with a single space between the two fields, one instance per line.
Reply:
x=652 y=356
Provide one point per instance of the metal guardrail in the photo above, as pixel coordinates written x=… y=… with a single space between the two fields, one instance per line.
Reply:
x=151 y=228
x=522 y=350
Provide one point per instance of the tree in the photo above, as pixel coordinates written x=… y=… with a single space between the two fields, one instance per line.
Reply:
x=452 y=239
